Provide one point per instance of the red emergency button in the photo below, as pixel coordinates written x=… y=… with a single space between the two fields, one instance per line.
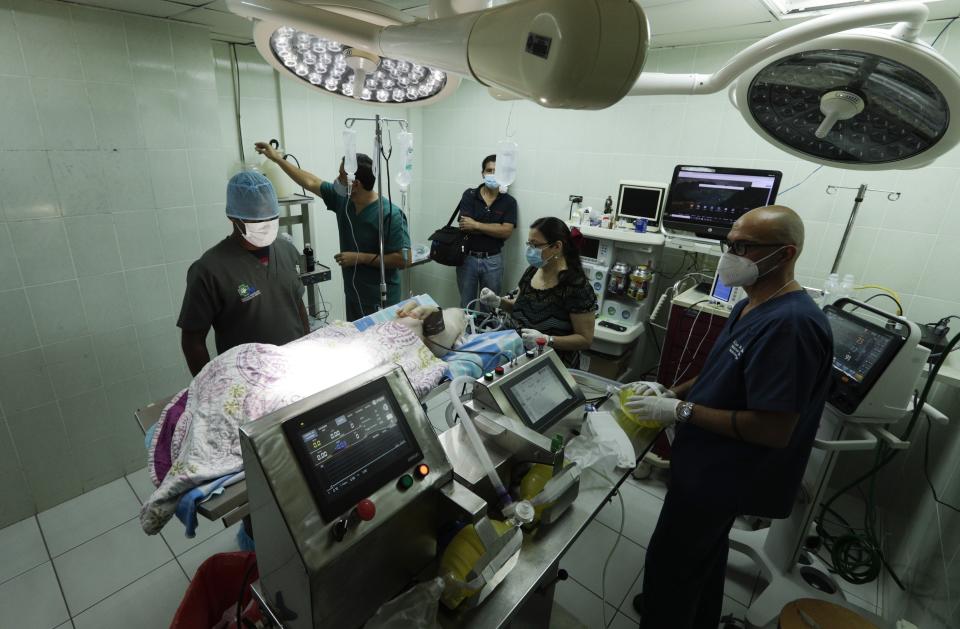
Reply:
x=541 y=342
x=498 y=371
x=422 y=470
x=366 y=510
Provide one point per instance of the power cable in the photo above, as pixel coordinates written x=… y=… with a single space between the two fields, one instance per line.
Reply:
x=943 y=30
x=800 y=183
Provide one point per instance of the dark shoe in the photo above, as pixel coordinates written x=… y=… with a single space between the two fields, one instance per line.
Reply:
x=638 y=603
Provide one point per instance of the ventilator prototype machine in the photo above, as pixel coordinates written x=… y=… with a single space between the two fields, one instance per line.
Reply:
x=877 y=362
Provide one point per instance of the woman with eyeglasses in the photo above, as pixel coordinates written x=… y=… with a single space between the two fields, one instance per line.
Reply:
x=555 y=301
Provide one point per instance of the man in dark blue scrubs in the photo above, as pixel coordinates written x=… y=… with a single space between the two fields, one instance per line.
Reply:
x=745 y=424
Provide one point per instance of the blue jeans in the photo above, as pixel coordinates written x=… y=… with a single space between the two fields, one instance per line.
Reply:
x=478 y=273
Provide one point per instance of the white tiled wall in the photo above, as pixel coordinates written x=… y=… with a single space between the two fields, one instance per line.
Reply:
x=117 y=136
x=98 y=225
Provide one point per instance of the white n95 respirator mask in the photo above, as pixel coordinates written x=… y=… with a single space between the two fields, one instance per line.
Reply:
x=734 y=270
x=261 y=234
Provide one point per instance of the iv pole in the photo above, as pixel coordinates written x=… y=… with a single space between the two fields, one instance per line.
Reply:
x=862 y=191
x=379 y=122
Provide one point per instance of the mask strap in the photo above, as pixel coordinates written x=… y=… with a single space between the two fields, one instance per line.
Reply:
x=774 y=267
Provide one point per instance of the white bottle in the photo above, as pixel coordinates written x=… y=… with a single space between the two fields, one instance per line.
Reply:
x=846 y=286
x=405 y=146
x=506 y=163
x=831 y=289
x=585 y=217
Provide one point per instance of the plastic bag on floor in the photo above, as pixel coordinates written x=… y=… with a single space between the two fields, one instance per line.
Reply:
x=414 y=609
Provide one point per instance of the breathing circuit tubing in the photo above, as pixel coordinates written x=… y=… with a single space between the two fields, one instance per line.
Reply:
x=480 y=450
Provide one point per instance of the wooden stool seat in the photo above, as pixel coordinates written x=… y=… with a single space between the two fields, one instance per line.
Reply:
x=823 y=614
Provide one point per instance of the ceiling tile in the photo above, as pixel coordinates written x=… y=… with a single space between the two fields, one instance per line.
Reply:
x=153 y=8
x=220 y=23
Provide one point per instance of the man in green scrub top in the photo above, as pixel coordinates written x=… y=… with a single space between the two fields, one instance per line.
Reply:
x=246 y=287
x=358 y=224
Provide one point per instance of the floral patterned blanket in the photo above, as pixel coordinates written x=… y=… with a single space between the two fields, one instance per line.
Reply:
x=250 y=381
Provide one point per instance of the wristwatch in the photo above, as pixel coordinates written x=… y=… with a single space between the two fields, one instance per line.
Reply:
x=549 y=341
x=684 y=412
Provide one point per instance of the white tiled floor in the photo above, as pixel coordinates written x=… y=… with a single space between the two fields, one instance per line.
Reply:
x=86 y=564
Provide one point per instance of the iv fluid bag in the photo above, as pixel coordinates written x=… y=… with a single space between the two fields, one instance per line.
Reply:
x=350 y=151
x=405 y=173
x=506 y=163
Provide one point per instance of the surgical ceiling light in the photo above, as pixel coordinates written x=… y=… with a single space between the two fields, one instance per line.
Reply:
x=574 y=54
x=865 y=99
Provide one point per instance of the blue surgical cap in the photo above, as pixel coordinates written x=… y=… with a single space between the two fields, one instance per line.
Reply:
x=251 y=197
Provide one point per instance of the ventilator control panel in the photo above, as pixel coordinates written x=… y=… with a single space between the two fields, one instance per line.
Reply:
x=351 y=446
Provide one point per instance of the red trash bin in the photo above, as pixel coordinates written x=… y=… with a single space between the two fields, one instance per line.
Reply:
x=211 y=598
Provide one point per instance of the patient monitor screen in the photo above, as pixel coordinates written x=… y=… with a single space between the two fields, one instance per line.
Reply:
x=861 y=353
x=540 y=397
x=349 y=447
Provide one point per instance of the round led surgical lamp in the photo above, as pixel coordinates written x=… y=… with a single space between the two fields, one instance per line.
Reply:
x=864 y=99
x=573 y=54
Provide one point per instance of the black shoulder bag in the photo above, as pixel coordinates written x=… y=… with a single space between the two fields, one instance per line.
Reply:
x=449 y=244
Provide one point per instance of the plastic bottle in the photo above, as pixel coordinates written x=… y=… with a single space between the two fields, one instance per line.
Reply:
x=831 y=290
x=506 y=163
x=405 y=146
x=350 y=152
x=585 y=217
x=846 y=286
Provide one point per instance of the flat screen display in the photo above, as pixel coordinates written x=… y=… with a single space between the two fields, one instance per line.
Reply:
x=589 y=248
x=541 y=396
x=349 y=447
x=862 y=351
x=638 y=201
x=858 y=348
x=707 y=200
x=721 y=292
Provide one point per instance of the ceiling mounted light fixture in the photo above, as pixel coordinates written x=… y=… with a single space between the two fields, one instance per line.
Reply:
x=573 y=54
x=864 y=99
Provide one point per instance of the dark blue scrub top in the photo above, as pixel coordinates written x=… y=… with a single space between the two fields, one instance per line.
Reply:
x=776 y=358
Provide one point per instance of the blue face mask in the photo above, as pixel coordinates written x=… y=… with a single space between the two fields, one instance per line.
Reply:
x=535 y=257
x=490 y=181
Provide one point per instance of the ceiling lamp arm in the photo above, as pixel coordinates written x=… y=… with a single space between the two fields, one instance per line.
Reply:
x=313 y=19
x=910 y=19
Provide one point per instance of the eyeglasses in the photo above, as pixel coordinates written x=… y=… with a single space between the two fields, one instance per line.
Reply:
x=740 y=247
x=537 y=245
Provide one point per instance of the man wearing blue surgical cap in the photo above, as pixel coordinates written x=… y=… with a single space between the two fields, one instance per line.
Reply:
x=246 y=287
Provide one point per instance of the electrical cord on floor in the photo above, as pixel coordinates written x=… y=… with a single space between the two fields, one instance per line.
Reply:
x=859 y=557
x=603 y=574
x=926 y=468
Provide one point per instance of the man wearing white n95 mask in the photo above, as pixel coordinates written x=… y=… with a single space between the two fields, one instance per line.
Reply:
x=745 y=424
x=246 y=287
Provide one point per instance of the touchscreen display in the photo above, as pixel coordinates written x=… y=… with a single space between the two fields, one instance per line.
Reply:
x=857 y=349
x=350 y=447
x=540 y=395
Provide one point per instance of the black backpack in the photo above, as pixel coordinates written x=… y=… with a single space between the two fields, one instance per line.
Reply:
x=449 y=244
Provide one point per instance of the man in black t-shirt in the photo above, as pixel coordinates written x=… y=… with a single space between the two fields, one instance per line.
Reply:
x=488 y=216
x=746 y=423
x=246 y=287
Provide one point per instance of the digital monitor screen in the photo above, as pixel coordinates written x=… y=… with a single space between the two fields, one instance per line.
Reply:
x=589 y=248
x=708 y=200
x=637 y=201
x=721 y=292
x=541 y=397
x=860 y=349
x=349 y=447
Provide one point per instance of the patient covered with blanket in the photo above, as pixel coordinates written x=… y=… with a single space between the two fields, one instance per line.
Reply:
x=196 y=441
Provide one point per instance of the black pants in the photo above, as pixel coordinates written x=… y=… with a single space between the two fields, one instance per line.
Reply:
x=358 y=311
x=686 y=564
